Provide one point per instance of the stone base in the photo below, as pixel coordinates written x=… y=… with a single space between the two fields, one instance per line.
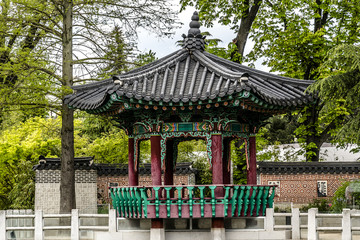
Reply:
x=160 y=234
x=257 y=234
x=218 y=233
x=157 y=234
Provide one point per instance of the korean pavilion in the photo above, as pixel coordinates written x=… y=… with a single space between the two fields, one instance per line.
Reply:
x=191 y=94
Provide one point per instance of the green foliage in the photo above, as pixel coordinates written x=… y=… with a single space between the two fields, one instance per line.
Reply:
x=195 y=151
x=238 y=157
x=189 y=151
x=294 y=38
x=279 y=129
x=145 y=58
x=204 y=173
x=340 y=90
x=23 y=143
x=322 y=205
x=20 y=148
x=339 y=200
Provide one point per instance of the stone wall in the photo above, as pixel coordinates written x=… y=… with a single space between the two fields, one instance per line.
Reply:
x=47 y=190
x=303 y=188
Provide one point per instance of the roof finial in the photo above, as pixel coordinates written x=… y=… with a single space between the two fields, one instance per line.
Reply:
x=194 y=25
x=194 y=40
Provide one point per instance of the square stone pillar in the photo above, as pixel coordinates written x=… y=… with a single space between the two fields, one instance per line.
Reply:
x=157 y=231
x=217 y=229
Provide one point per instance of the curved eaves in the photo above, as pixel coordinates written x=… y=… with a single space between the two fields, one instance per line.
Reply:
x=271 y=90
x=153 y=67
x=94 y=85
x=217 y=68
x=264 y=75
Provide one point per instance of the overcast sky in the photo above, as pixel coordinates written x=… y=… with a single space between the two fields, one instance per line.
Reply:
x=164 y=46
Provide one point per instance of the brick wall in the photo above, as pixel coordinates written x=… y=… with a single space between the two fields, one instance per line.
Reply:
x=302 y=188
x=47 y=190
x=103 y=183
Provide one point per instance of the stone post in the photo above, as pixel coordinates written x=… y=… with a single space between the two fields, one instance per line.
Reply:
x=112 y=220
x=295 y=223
x=269 y=220
x=312 y=224
x=217 y=229
x=157 y=231
x=346 y=225
x=74 y=224
x=2 y=225
x=38 y=224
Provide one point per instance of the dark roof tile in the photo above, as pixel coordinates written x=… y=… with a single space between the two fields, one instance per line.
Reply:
x=190 y=74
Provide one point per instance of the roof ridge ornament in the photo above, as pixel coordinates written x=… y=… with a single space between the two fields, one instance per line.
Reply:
x=194 y=40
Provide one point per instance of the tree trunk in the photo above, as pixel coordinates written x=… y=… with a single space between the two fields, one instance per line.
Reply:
x=67 y=184
x=245 y=27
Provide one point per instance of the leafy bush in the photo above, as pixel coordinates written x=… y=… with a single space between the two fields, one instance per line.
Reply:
x=322 y=205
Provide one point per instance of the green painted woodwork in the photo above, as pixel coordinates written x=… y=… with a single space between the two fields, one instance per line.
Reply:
x=246 y=199
x=185 y=127
x=213 y=200
x=179 y=201
x=202 y=200
x=120 y=105
x=258 y=199
x=168 y=135
x=240 y=199
x=237 y=201
x=252 y=200
x=265 y=199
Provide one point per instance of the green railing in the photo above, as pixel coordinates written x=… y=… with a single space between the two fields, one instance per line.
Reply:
x=202 y=201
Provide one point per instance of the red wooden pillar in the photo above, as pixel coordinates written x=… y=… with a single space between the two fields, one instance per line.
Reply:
x=133 y=168
x=217 y=224
x=155 y=159
x=251 y=174
x=217 y=163
x=169 y=163
x=226 y=161
x=156 y=224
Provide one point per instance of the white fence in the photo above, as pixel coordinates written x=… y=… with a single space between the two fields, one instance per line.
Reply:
x=345 y=224
x=38 y=223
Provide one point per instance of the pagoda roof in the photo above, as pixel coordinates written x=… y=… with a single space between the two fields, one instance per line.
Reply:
x=190 y=75
x=308 y=167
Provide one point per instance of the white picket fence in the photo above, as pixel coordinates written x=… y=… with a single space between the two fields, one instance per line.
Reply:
x=313 y=218
x=36 y=223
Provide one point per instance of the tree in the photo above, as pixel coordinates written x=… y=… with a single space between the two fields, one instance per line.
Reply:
x=21 y=61
x=85 y=41
x=340 y=92
x=239 y=15
x=293 y=38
